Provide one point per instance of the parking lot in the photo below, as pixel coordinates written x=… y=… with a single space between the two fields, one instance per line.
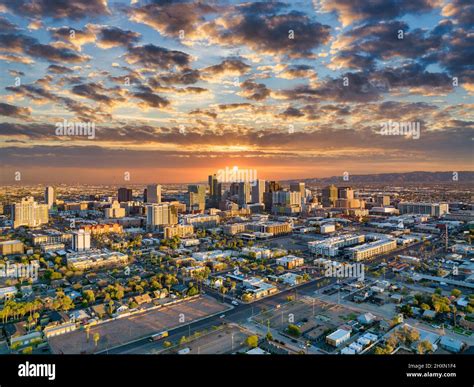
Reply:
x=124 y=330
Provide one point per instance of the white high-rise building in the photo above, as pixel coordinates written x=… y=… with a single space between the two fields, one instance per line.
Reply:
x=81 y=240
x=153 y=193
x=29 y=213
x=50 y=196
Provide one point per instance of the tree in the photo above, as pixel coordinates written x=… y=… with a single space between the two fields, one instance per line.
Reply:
x=456 y=293
x=89 y=296
x=293 y=330
x=96 y=338
x=252 y=341
x=269 y=336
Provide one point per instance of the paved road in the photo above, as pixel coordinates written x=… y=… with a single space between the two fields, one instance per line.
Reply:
x=239 y=314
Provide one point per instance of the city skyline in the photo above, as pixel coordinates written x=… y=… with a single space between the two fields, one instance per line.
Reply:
x=293 y=90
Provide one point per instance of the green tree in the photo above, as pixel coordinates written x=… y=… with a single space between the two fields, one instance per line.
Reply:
x=293 y=330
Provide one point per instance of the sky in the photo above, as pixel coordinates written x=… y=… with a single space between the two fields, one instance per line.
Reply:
x=172 y=91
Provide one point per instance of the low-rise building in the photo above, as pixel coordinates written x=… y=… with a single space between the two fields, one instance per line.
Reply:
x=96 y=258
x=179 y=230
x=290 y=261
x=368 y=250
x=11 y=247
x=338 y=337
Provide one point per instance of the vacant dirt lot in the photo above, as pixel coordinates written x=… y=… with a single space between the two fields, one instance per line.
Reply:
x=131 y=328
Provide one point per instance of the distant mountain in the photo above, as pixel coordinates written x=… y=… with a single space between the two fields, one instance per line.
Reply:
x=396 y=178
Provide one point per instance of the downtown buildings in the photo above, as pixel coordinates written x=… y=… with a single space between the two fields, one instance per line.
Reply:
x=29 y=213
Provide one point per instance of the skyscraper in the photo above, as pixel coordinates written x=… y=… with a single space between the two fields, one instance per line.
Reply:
x=196 y=197
x=286 y=198
x=329 y=194
x=299 y=187
x=258 y=188
x=270 y=187
x=161 y=215
x=81 y=240
x=49 y=196
x=125 y=195
x=215 y=190
x=244 y=193
x=153 y=193
x=345 y=193
x=29 y=213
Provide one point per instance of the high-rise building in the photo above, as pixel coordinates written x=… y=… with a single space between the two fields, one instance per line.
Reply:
x=49 y=196
x=270 y=187
x=196 y=198
x=345 y=193
x=161 y=215
x=258 y=189
x=382 y=200
x=329 y=194
x=153 y=193
x=299 y=187
x=286 y=198
x=244 y=192
x=115 y=210
x=81 y=240
x=215 y=190
x=29 y=213
x=125 y=195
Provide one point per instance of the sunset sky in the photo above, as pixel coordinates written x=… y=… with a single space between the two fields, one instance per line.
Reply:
x=178 y=89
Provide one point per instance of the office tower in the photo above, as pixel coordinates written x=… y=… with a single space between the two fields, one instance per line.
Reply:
x=244 y=193
x=153 y=193
x=161 y=215
x=81 y=240
x=29 y=213
x=215 y=190
x=329 y=194
x=345 y=193
x=270 y=187
x=382 y=200
x=196 y=197
x=49 y=196
x=299 y=187
x=286 y=198
x=258 y=189
x=115 y=211
x=145 y=195
x=125 y=195
x=234 y=189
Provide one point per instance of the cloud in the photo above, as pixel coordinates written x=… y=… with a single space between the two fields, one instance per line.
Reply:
x=255 y=91
x=21 y=44
x=265 y=28
x=151 y=56
x=14 y=111
x=58 y=9
x=351 y=11
x=109 y=37
x=151 y=100
x=228 y=67
x=169 y=18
